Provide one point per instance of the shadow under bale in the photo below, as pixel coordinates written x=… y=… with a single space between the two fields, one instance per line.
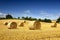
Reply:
x=12 y=25
x=36 y=25
x=55 y=25
x=5 y=23
x=31 y=28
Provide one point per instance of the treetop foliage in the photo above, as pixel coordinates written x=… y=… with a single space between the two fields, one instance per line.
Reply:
x=58 y=20
x=8 y=16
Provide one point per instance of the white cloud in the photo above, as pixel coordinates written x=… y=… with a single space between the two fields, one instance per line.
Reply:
x=43 y=12
x=27 y=12
x=2 y=15
x=57 y=15
x=46 y=14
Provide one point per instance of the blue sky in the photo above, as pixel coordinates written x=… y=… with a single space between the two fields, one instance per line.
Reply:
x=35 y=8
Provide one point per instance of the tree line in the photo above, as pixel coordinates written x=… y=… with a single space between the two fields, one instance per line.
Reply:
x=32 y=19
x=8 y=16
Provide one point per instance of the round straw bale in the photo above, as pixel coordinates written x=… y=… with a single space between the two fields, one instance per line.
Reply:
x=37 y=25
x=22 y=24
x=30 y=25
x=24 y=21
x=54 y=25
x=5 y=23
x=12 y=25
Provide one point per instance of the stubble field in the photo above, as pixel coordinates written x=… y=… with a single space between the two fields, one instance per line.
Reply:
x=23 y=33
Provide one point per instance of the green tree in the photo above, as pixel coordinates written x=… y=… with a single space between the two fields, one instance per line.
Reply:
x=34 y=19
x=26 y=18
x=58 y=20
x=39 y=19
x=23 y=17
x=8 y=16
x=47 y=20
x=18 y=17
x=30 y=18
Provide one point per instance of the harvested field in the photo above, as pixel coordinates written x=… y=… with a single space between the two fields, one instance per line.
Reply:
x=23 y=33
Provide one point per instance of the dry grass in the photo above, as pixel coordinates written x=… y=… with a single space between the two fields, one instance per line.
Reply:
x=46 y=32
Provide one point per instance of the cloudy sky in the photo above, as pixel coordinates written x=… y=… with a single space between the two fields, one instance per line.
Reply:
x=35 y=8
